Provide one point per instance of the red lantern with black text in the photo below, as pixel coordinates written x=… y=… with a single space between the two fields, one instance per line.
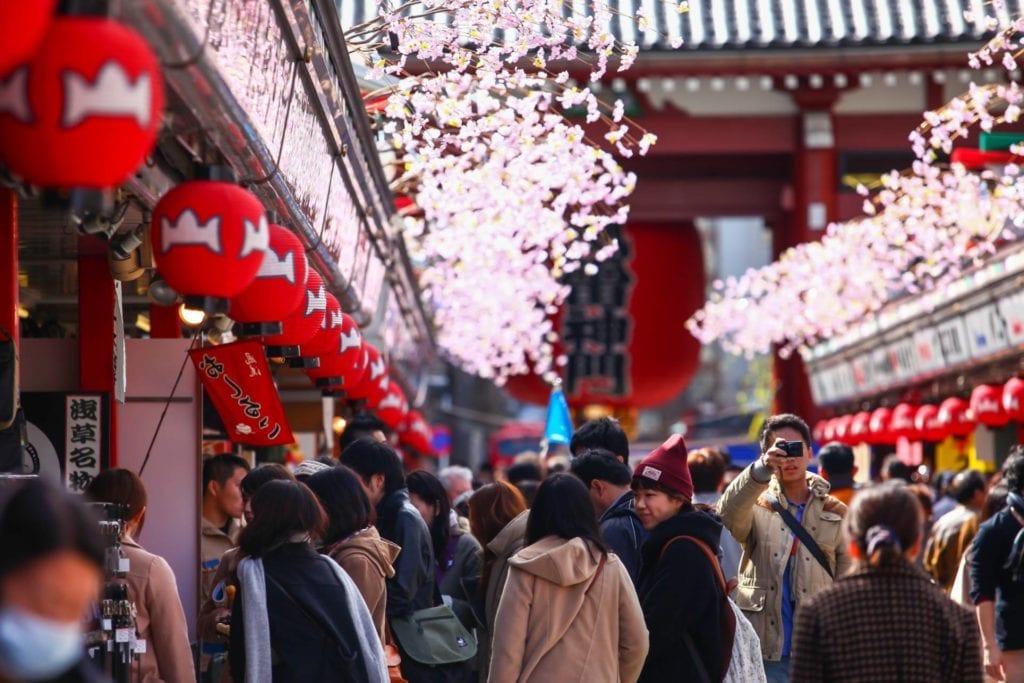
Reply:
x=987 y=405
x=392 y=407
x=375 y=382
x=879 y=426
x=209 y=238
x=280 y=284
x=345 y=359
x=927 y=423
x=901 y=424
x=621 y=329
x=415 y=433
x=23 y=24
x=86 y=109
x=304 y=322
x=955 y=417
x=1013 y=399
x=859 y=427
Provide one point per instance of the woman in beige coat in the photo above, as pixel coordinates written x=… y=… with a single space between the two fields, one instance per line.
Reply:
x=159 y=619
x=351 y=539
x=569 y=611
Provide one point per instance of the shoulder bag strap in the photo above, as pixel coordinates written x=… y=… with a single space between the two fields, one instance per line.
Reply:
x=803 y=535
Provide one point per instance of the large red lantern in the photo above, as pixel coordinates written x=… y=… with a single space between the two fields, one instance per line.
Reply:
x=392 y=407
x=1013 y=399
x=901 y=424
x=859 y=427
x=818 y=433
x=955 y=417
x=280 y=284
x=841 y=428
x=325 y=341
x=828 y=431
x=879 y=426
x=304 y=322
x=375 y=382
x=209 y=238
x=415 y=433
x=987 y=405
x=22 y=27
x=85 y=110
x=345 y=359
x=622 y=329
x=928 y=424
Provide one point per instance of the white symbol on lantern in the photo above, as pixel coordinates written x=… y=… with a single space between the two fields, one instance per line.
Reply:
x=331 y=321
x=391 y=401
x=316 y=301
x=377 y=369
x=257 y=236
x=250 y=361
x=275 y=266
x=14 y=96
x=111 y=94
x=352 y=340
x=190 y=232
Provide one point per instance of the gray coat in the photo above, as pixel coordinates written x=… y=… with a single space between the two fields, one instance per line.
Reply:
x=507 y=543
x=463 y=576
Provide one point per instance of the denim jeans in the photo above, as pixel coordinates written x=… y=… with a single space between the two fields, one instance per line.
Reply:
x=777 y=672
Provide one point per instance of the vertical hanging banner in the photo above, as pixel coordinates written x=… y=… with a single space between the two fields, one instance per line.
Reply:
x=237 y=378
x=83 y=439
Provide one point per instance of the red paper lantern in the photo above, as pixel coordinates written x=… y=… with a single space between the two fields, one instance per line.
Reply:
x=392 y=407
x=818 y=433
x=280 y=283
x=1013 y=399
x=415 y=433
x=345 y=358
x=955 y=417
x=828 y=431
x=304 y=322
x=22 y=27
x=928 y=424
x=901 y=424
x=375 y=382
x=655 y=284
x=860 y=426
x=209 y=238
x=85 y=111
x=879 y=426
x=325 y=341
x=987 y=405
x=841 y=428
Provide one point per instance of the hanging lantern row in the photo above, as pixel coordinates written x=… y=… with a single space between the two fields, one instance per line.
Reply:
x=990 y=405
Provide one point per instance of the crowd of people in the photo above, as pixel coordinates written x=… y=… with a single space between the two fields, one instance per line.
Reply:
x=585 y=569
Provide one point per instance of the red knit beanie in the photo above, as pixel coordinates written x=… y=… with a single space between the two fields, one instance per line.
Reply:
x=667 y=466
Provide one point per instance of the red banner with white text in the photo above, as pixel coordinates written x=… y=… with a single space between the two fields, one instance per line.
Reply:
x=237 y=378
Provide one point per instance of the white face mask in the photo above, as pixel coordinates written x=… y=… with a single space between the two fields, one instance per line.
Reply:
x=33 y=648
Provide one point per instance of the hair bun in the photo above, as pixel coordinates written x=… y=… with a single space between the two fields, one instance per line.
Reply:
x=879 y=536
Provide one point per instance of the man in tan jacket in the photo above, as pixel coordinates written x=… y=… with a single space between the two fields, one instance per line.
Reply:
x=777 y=570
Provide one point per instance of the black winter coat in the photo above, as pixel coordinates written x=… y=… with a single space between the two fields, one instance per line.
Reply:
x=412 y=586
x=312 y=635
x=624 y=533
x=679 y=591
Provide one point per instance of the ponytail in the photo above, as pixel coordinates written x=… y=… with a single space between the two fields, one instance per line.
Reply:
x=884 y=521
x=882 y=546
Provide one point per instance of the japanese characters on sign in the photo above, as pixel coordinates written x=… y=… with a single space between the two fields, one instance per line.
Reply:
x=83 y=438
x=237 y=379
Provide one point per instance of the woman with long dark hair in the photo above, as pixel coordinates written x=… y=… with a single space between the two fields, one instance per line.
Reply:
x=569 y=611
x=352 y=541
x=886 y=620
x=160 y=618
x=298 y=616
x=456 y=553
x=497 y=518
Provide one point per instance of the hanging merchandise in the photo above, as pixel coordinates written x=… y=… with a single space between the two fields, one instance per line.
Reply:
x=927 y=423
x=85 y=110
x=955 y=417
x=860 y=426
x=375 y=382
x=878 y=430
x=345 y=360
x=987 y=405
x=901 y=423
x=304 y=322
x=415 y=433
x=1013 y=399
x=280 y=282
x=22 y=27
x=209 y=238
x=392 y=407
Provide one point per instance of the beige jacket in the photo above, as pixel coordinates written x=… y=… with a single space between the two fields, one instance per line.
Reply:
x=560 y=619
x=160 y=619
x=746 y=510
x=368 y=559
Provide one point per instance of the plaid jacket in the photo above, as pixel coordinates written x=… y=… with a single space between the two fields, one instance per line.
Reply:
x=890 y=624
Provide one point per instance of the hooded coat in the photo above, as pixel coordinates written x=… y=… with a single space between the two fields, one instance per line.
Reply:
x=679 y=593
x=561 y=619
x=368 y=559
x=507 y=543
